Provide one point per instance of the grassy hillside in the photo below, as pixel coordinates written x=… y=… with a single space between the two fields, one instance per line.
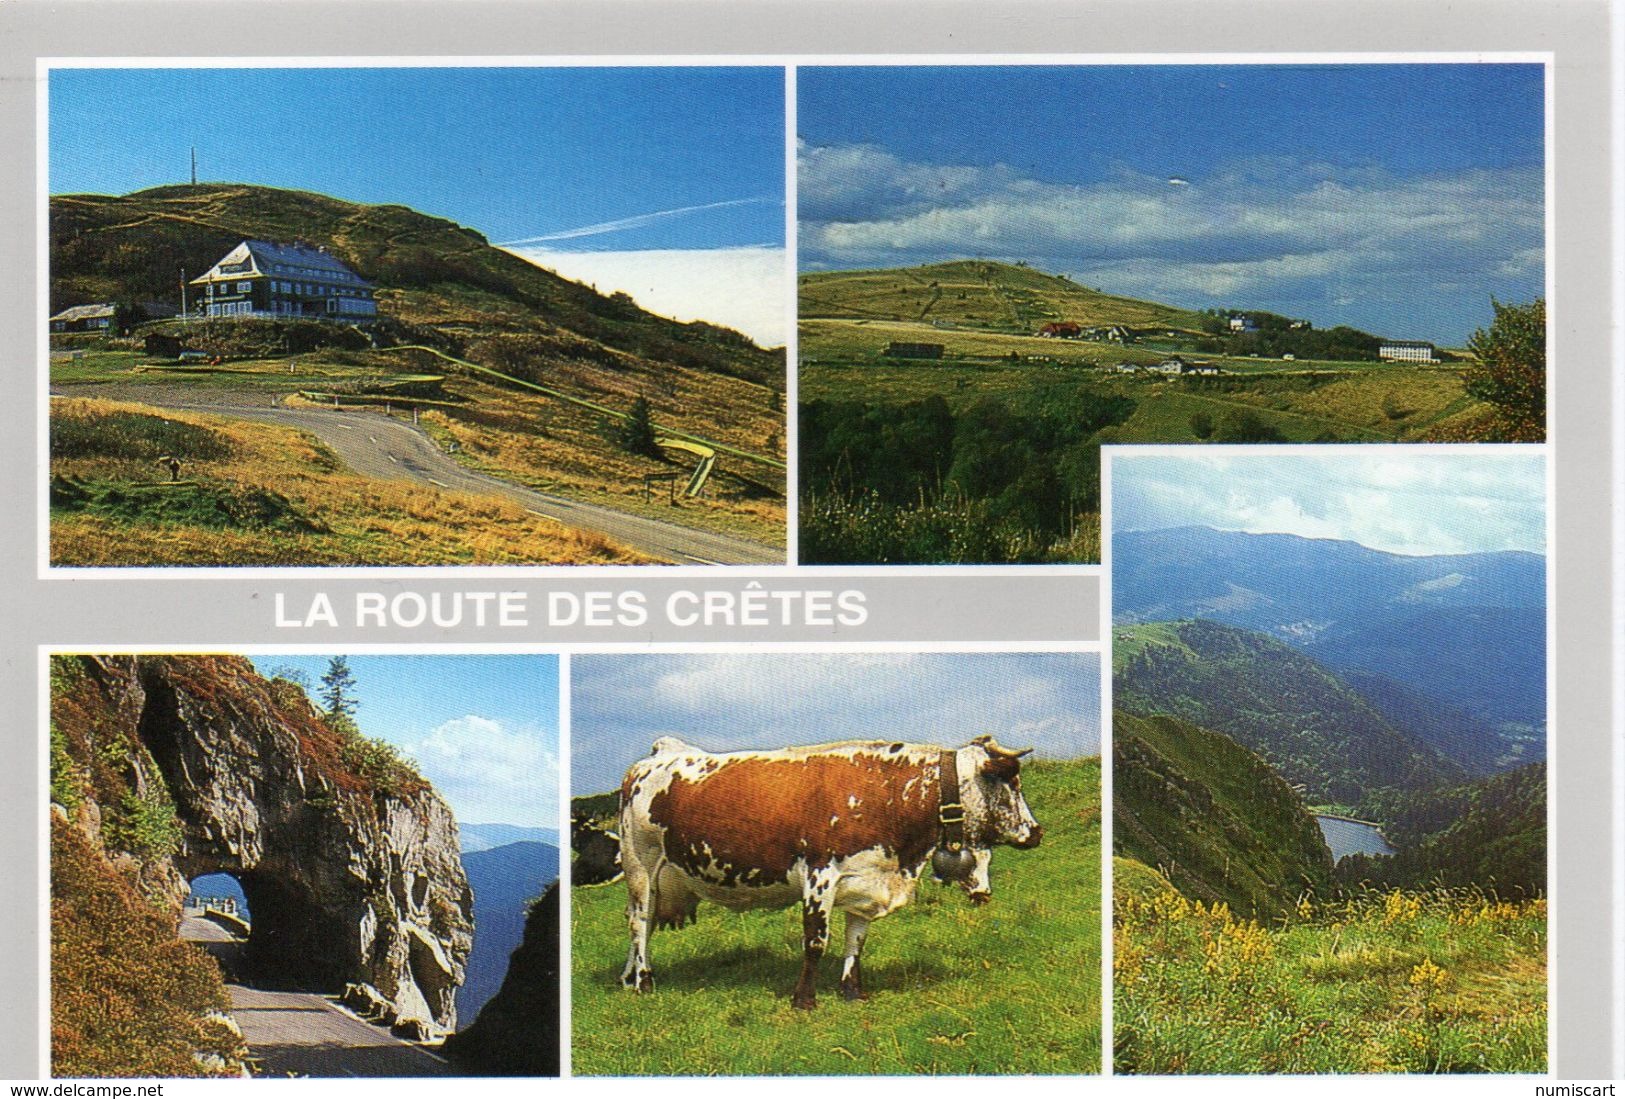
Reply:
x=1212 y=817
x=986 y=316
x=977 y=294
x=1270 y=698
x=1010 y=987
x=541 y=371
x=1441 y=981
x=431 y=273
x=127 y=997
x=257 y=493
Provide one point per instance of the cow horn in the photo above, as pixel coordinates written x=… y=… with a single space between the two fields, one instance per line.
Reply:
x=995 y=749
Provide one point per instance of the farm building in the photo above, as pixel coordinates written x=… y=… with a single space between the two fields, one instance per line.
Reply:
x=896 y=350
x=1407 y=351
x=284 y=280
x=1183 y=367
x=1243 y=323
x=1115 y=333
x=100 y=317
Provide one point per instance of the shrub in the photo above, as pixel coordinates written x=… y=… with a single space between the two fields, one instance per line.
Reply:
x=132 y=436
x=637 y=431
x=143 y=825
x=127 y=997
x=1511 y=371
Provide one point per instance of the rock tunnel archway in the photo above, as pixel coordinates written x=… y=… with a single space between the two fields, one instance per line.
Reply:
x=348 y=883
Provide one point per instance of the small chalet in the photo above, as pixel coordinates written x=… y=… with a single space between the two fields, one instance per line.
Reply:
x=259 y=278
x=101 y=317
x=1243 y=323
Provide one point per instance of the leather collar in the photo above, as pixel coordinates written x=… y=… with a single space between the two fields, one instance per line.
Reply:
x=950 y=811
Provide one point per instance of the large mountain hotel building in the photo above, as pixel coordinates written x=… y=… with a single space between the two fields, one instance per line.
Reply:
x=1408 y=351
x=283 y=280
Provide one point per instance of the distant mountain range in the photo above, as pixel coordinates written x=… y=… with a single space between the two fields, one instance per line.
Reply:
x=483 y=837
x=1467 y=631
x=504 y=879
x=1302 y=718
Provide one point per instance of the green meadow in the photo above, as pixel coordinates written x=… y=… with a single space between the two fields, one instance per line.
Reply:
x=1434 y=981
x=1009 y=987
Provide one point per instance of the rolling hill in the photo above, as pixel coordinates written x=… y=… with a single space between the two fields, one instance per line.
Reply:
x=1272 y=699
x=483 y=837
x=443 y=282
x=978 y=294
x=1213 y=818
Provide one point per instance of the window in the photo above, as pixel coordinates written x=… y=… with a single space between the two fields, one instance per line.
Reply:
x=244 y=287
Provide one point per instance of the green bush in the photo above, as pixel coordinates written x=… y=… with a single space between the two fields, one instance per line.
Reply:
x=144 y=826
x=132 y=436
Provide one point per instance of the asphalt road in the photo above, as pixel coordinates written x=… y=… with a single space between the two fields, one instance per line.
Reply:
x=304 y=1033
x=376 y=446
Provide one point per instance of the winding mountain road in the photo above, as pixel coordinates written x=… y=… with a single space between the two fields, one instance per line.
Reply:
x=375 y=445
x=304 y=1033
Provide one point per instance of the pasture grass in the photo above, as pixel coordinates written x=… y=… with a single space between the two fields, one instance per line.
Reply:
x=1009 y=987
x=265 y=494
x=1444 y=981
x=1352 y=402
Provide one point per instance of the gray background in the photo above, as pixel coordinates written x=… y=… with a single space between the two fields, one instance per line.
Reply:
x=985 y=606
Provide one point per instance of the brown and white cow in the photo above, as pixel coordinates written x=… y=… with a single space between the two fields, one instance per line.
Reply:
x=848 y=826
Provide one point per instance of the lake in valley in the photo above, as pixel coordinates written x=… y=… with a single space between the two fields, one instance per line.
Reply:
x=1350 y=837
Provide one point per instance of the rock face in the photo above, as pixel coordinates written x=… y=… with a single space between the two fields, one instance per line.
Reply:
x=349 y=860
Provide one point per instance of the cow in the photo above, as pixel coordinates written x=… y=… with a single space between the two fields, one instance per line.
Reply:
x=848 y=826
x=597 y=852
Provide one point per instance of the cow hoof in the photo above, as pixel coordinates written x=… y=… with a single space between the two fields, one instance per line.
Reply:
x=803 y=1003
x=852 y=992
x=980 y=899
x=646 y=981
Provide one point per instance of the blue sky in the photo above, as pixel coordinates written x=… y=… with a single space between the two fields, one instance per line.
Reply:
x=484 y=729
x=1397 y=198
x=667 y=183
x=619 y=705
x=513 y=152
x=1415 y=500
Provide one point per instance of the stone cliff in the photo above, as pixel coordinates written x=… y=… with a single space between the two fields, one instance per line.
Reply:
x=177 y=766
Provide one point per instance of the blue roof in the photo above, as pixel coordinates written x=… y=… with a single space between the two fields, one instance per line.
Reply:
x=279 y=259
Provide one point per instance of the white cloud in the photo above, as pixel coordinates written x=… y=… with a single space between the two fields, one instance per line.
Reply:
x=489 y=772
x=1410 y=500
x=739 y=288
x=1263 y=231
x=636 y=221
x=621 y=705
